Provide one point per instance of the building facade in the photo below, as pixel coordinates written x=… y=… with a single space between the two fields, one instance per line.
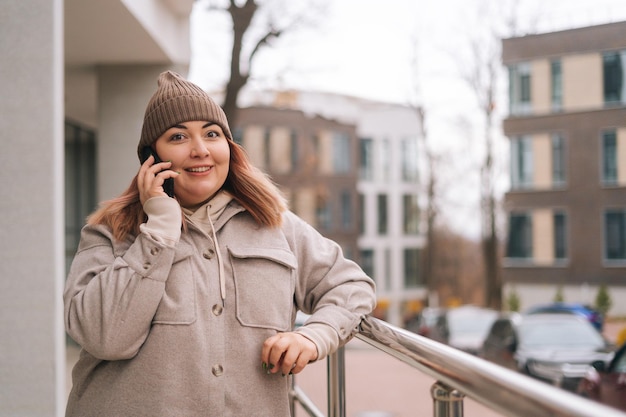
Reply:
x=350 y=167
x=566 y=207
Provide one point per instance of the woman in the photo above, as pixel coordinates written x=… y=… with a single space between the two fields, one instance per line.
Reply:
x=185 y=306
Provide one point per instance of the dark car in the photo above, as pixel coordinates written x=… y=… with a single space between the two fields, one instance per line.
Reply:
x=556 y=348
x=590 y=314
x=464 y=327
x=425 y=321
x=605 y=382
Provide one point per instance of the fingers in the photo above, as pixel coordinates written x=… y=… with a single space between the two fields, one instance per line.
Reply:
x=151 y=177
x=287 y=353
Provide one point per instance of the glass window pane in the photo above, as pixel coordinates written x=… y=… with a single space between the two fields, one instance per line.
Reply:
x=382 y=214
x=615 y=234
x=558 y=160
x=411 y=214
x=560 y=241
x=609 y=157
x=557 y=84
x=613 y=75
x=341 y=153
x=411 y=268
x=366 y=171
x=519 y=243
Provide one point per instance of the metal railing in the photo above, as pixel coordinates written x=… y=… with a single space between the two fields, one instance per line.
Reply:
x=457 y=374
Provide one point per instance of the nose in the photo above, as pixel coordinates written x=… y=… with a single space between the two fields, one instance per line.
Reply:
x=199 y=148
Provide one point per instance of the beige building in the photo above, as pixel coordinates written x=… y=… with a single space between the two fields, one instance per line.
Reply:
x=567 y=128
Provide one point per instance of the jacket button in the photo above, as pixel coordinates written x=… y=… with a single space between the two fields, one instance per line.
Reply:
x=209 y=253
x=154 y=251
x=146 y=265
x=217 y=309
x=217 y=370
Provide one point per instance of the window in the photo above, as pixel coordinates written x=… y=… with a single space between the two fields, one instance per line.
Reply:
x=609 y=157
x=521 y=162
x=411 y=268
x=385 y=158
x=409 y=159
x=556 y=78
x=519 y=244
x=382 y=214
x=411 y=214
x=323 y=213
x=519 y=89
x=341 y=153
x=560 y=238
x=558 y=160
x=361 y=214
x=613 y=72
x=80 y=183
x=367 y=262
x=615 y=235
x=293 y=139
x=366 y=171
x=346 y=210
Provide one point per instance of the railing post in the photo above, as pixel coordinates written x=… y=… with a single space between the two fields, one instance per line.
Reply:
x=447 y=401
x=336 y=371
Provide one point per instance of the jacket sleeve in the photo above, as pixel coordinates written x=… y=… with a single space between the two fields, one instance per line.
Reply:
x=332 y=289
x=111 y=294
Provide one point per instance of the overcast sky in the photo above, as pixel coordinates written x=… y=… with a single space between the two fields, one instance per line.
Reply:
x=365 y=48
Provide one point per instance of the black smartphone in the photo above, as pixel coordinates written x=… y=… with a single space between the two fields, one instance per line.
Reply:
x=168 y=184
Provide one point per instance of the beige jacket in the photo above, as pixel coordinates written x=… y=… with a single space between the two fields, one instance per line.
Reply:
x=157 y=338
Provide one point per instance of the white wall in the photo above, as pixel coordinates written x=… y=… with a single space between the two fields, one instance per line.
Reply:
x=32 y=345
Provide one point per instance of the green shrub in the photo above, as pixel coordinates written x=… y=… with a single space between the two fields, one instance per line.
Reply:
x=558 y=297
x=513 y=301
x=603 y=300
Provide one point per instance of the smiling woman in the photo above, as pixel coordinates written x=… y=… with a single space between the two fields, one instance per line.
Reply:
x=186 y=304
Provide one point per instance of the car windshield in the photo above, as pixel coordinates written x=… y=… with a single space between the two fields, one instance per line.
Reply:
x=562 y=333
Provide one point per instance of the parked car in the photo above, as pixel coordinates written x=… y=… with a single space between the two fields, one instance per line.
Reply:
x=464 y=327
x=556 y=348
x=425 y=321
x=592 y=315
x=606 y=382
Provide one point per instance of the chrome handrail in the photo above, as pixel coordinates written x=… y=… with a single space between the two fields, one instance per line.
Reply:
x=459 y=374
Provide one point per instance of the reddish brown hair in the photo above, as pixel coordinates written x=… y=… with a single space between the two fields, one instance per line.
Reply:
x=248 y=185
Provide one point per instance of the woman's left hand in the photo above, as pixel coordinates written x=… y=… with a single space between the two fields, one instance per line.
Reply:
x=288 y=353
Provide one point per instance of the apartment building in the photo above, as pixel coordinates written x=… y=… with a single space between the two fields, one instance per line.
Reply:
x=566 y=207
x=350 y=167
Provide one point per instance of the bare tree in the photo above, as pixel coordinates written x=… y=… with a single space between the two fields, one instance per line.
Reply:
x=272 y=24
x=484 y=75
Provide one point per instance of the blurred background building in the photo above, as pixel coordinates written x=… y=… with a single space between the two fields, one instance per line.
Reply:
x=350 y=167
x=567 y=129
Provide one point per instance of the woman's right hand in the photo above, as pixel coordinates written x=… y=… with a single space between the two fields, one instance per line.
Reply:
x=151 y=177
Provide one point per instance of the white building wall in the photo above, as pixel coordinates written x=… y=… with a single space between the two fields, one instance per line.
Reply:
x=32 y=346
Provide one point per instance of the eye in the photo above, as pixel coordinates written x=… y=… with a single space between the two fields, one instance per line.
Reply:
x=212 y=134
x=176 y=137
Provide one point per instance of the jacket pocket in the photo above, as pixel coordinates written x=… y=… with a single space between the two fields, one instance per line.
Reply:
x=264 y=286
x=178 y=305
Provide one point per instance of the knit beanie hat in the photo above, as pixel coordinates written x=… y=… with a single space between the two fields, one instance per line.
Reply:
x=176 y=101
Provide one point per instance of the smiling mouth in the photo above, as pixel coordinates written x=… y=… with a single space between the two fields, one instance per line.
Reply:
x=198 y=169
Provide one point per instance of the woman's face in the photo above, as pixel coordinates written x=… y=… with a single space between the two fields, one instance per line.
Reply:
x=199 y=151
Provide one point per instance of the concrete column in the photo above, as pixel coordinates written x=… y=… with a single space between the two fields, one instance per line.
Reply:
x=32 y=341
